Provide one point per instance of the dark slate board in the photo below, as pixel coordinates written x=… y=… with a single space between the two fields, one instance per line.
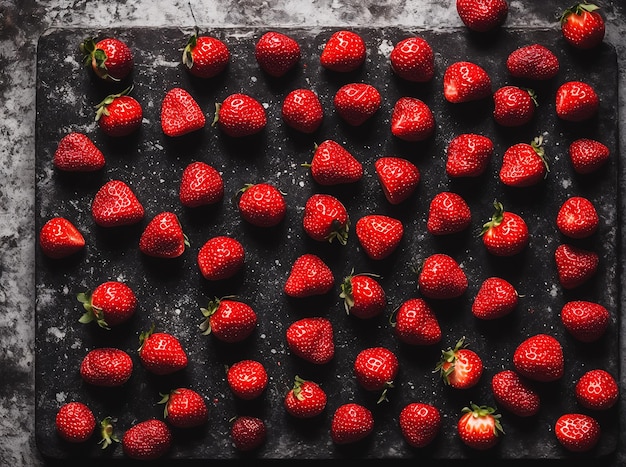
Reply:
x=171 y=292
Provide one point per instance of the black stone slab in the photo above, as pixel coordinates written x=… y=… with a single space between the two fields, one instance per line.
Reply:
x=171 y=292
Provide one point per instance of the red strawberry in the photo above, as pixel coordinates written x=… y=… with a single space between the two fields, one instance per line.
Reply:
x=441 y=277
x=161 y=353
x=276 y=53
x=147 y=440
x=312 y=339
x=460 y=367
x=75 y=422
x=262 y=204
x=582 y=26
x=309 y=276
x=482 y=15
x=375 y=369
x=514 y=106
x=398 y=178
x=306 y=399
x=577 y=217
x=464 y=82
x=110 y=58
x=111 y=303
x=247 y=379
x=220 y=258
x=413 y=59
x=495 y=298
x=357 y=102
x=506 y=234
x=163 y=237
x=586 y=321
x=468 y=155
x=597 y=390
x=229 y=320
x=106 y=367
x=575 y=265
x=533 y=62
x=515 y=394
x=180 y=113
x=587 y=155
x=479 y=427
x=115 y=204
x=326 y=219
x=379 y=235
x=205 y=56
x=59 y=238
x=302 y=110
x=240 y=115
x=351 y=422
x=412 y=120
x=524 y=164
x=77 y=153
x=539 y=358
x=248 y=433
x=577 y=432
x=200 y=185
x=333 y=164
x=119 y=114
x=448 y=213
x=343 y=52
x=416 y=323
x=576 y=101
x=419 y=423
x=184 y=408
x=363 y=295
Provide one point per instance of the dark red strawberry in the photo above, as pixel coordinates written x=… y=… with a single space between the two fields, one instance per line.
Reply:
x=106 y=367
x=326 y=219
x=524 y=164
x=163 y=237
x=515 y=394
x=363 y=295
x=248 y=433
x=77 y=153
x=514 y=106
x=479 y=427
x=379 y=235
x=460 y=367
x=441 y=277
x=375 y=369
x=262 y=204
x=277 y=53
x=583 y=26
x=111 y=59
x=506 y=234
x=482 y=15
x=577 y=432
x=413 y=59
x=351 y=422
x=240 y=115
x=398 y=178
x=333 y=164
x=180 y=113
x=228 y=319
x=539 y=358
x=419 y=423
x=59 y=238
x=464 y=82
x=75 y=422
x=302 y=110
x=587 y=155
x=586 y=321
x=577 y=217
x=200 y=185
x=312 y=339
x=111 y=303
x=220 y=258
x=306 y=399
x=147 y=440
x=309 y=276
x=247 y=379
x=468 y=155
x=119 y=114
x=343 y=52
x=184 y=408
x=597 y=389
x=205 y=56
x=495 y=298
x=161 y=353
x=448 y=213
x=115 y=204
x=576 y=101
x=416 y=323
x=357 y=102
x=575 y=265
x=533 y=62
x=412 y=120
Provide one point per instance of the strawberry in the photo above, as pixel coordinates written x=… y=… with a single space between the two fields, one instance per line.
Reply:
x=115 y=204
x=119 y=114
x=379 y=235
x=577 y=432
x=343 y=52
x=506 y=234
x=582 y=26
x=577 y=217
x=587 y=155
x=524 y=164
x=465 y=82
x=276 y=53
x=309 y=276
x=326 y=219
x=482 y=15
x=147 y=440
x=576 y=101
x=533 y=62
x=59 y=238
x=416 y=323
x=585 y=321
x=262 y=204
x=180 y=113
x=468 y=155
x=514 y=106
x=597 y=389
x=351 y=422
x=398 y=178
x=220 y=258
x=412 y=120
x=75 y=422
x=111 y=303
x=247 y=379
x=229 y=320
x=441 y=277
x=515 y=394
x=248 y=433
x=363 y=295
x=448 y=213
x=539 y=358
x=413 y=59
x=306 y=399
x=302 y=110
x=460 y=367
x=575 y=265
x=106 y=367
x=479 y=427
x=205 y=56
x=357 y=102
x=419 y=423
x=240 y=115
x=375 y=369
x=312 y=339
x=163 y=237
x=495 y=298
x=77 y=153
x=111 y=59
x=200 y=185
x=161 y=353
x=184 y=408
x=333 y=164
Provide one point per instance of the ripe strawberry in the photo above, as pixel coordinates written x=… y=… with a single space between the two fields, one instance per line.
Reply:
x=309 y=276
x=184 y=408
x=163 y=237
x=448 y=213
x=77 y=153
x=262 y=204
x=306 y=399
x=460 y=367
x=398 y=178
x=576 y=101
x=161 y=353
x=363 y=295
x=106 y=367
x=111 y=303
x=240 y=115
x=419 y=423
x=539 y=358
x=586 y=321
x=412 y=120
x=247 y=379
x=302 y=110
x=514 y=106
x=147 y=440
x=333 y=164
x=229 y=320
x=326 y=219
x=200 y=185
x=582 y=26
x=205 y=56
x=343 y=52
x=351 y=422
x=495 y=298
x=357 y=102
x=220 y=258
x=515 y=394
x=597 y=389
x=533 y=62
x=464 y=82
x=577 y=217
x=115 y=204
x=506 y=234
x=75 y=422
x=441 y=277
x=111 y=59
x=575 y=265
x=379 y=235
x=587 y=155
x=248 y=433
x=468 y=155
x=276 y=53
x=482 y=15
x=59 y=238
x=119 y=114
x=312 y=339
x=375 y=369
x=416 y=323
x=524 y=164
x=577 y=432
x=479 y=427
x=413 y=59
x=180 y=113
